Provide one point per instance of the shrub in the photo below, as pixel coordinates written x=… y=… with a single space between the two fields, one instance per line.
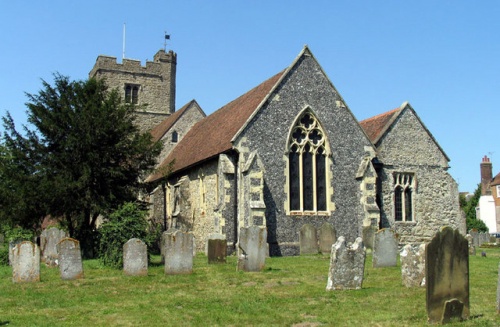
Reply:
x=4 y=255
x=129 y=221
x=13 y=234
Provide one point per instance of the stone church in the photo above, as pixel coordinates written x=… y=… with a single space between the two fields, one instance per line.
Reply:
x=288 y=152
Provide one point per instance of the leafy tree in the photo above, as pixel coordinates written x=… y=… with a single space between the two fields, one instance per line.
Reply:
x=469 y=207
x=84 y=156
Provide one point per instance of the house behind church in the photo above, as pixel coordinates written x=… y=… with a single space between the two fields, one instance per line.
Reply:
x=290 y=152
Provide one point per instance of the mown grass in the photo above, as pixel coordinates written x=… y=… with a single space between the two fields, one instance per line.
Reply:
x=290 y=291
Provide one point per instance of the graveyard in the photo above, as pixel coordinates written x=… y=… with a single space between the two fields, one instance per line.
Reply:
x=289 y=291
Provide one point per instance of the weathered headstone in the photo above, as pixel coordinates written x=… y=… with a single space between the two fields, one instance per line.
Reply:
x=12 y=245
x=178 y=253
x=475 y=237
x=70 y=259
x=472 y=248
x=347 y=265
x=48 y=245
x=413 y=265
x=447 y=277
x=252 y=248
x=135 y=258
x=369 y=236
x=327 y=237
x=308 y=239
x=26 y=262
x=385 y=249
x=217 y=249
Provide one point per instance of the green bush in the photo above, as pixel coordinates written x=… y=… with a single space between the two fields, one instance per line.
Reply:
x=13 y=234
x=129 y=221
x=4 y=255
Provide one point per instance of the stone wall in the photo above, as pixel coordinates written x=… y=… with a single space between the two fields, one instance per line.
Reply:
x=408 y=148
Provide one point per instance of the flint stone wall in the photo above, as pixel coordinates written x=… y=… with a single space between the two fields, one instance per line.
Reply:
x=347 y=265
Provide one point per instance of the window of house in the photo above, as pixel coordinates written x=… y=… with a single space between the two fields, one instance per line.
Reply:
x=498 y=191
x=404 y=185
x=307 y=160
x=132 y=93
x=175 y=137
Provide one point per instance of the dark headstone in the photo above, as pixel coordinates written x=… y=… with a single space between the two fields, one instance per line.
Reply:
x=217 y=251
x=70 y=259
x=308 y=239
x=135 y=258
x=447 y=276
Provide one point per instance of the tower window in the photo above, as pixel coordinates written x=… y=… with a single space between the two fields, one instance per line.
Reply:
x=132 y=93
x=175 y=137
x=307 y=162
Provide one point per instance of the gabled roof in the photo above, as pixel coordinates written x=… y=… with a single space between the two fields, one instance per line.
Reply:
x=376 y=127
x=162 y=128
x=212 y=135
x=496 y=180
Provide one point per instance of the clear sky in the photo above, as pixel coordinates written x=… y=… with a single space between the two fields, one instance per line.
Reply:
x=441 y=56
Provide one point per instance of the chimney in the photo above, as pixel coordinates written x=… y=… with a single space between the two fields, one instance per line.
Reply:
x=486 y=176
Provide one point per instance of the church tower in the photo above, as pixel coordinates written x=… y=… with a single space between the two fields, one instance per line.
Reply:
x=151 y=87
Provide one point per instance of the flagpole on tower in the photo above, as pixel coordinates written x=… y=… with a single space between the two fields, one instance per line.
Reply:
x=123 y=53
x=167 y=37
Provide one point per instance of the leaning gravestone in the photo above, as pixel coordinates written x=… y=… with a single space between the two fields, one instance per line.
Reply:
x=347 y=265
x=135 y=258
x=26 y=262
x=217 y=249
x=70 y=259
x=252 y=248
x=48 y=245
x=447 y=277
x=178 y=253
x=385 y=249
x=327 y=237
x=413 y=265
x=308 y=239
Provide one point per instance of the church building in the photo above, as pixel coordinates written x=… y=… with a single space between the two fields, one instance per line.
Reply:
x=290 y=152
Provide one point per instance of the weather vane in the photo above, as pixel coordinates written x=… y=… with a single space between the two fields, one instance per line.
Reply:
x=167 y=37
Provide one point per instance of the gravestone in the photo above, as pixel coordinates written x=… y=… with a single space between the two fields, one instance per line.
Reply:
x=347 y=265
x=135 y=258
x=48 y=245
x=327 y=237
x=385 y=249
x=447 y=277
x=178 y=253
x=475 y=237
x=413 y=265
x=369 y=236
x=70 y=259
x=26 y=262
x=308 y=239
x=12 y=245
x=216 y=249
x=470 y=241
x=252 y=247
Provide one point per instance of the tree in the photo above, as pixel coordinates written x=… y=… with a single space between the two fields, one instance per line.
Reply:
x=469 y=207
x=85 y=156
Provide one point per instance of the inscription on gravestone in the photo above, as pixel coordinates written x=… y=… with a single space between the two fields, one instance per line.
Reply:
x=135 y=258
x=447 y=277
x=347 y=265
x=26 y=263
x=178 y=253
x=308 y=239
x=70 y=259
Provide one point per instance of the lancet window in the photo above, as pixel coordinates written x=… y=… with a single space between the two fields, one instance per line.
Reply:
x=404 y=185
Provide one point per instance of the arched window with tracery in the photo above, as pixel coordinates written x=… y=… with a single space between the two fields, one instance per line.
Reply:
x=404 y=184
x=132 y=93
x=307 y=162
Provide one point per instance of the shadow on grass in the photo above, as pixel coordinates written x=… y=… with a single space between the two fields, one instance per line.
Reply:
x=4 y=323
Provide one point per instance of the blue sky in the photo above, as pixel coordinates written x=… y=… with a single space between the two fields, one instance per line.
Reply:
x=441 y=56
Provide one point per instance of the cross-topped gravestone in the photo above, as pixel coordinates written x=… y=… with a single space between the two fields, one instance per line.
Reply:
x=447 y=276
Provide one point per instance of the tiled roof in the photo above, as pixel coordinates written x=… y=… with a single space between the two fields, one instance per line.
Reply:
x=374 y=127
x=159 y=130
x=496 y=180
x=212 y=135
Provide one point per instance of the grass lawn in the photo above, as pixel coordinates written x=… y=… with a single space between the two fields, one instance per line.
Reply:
x=290 y=291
